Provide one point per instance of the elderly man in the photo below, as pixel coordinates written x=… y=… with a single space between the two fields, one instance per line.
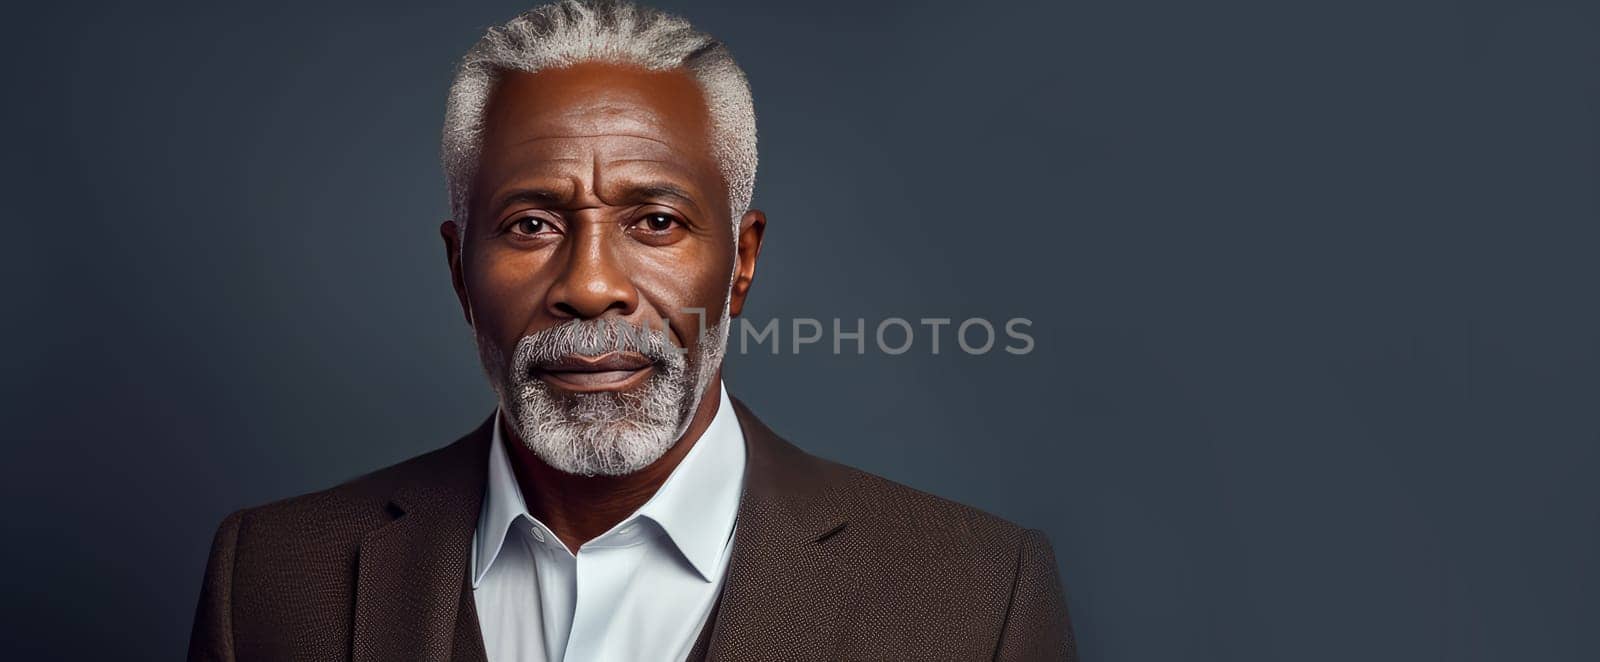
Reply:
x=618 y=505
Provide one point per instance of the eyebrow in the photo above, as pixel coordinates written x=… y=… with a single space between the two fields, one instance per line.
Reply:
x=633 y=192
x=532 y=195
x=659 y=190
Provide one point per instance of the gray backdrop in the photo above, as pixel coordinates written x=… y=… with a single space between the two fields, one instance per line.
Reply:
x=1312 y=288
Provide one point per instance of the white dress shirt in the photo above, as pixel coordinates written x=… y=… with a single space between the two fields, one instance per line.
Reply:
x=640 y=591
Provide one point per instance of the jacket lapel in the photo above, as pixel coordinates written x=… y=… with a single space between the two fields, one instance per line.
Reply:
x=784 y=590
x=411 y=597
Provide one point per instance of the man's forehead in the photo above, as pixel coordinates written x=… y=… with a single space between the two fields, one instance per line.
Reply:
x=565 y=165
x=553 y=109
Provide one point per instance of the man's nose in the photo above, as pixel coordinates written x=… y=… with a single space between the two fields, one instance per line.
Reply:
x=591 y=283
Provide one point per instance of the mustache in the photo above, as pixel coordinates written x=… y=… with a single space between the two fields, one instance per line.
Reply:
x=593 y=338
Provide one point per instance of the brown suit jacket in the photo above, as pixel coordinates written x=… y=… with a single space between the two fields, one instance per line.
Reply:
x=829 y=563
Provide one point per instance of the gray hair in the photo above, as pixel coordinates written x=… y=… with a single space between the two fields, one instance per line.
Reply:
x=573 y=31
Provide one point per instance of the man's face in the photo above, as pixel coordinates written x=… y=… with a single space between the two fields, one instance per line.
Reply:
x=598 y=202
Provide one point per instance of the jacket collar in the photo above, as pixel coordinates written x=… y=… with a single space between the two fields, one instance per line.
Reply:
x=784 y=589
x=695 y=506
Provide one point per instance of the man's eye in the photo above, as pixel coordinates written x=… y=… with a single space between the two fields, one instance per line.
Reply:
x=657 y=222
x=531 y=225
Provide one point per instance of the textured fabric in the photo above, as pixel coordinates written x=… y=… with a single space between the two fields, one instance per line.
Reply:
x=828 y=563
x=640 y=591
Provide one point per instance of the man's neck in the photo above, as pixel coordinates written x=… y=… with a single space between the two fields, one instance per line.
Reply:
x=579 y=508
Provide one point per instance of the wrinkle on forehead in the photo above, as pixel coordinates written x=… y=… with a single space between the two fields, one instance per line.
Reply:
x=596 y=135
x=614 y=116
x=589 y=159
x=598 y=173
x=588 y=139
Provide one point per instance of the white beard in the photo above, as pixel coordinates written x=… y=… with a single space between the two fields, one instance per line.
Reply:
x=605 y=433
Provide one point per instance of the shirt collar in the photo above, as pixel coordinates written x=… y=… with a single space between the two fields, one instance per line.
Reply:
x=696 y=506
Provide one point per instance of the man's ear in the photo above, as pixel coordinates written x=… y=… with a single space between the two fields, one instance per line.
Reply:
x=454 y=237
x=751 y=227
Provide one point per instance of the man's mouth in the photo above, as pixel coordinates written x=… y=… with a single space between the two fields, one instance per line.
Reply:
x=613 y=371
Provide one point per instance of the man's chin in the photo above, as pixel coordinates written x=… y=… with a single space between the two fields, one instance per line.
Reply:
x=590 y=443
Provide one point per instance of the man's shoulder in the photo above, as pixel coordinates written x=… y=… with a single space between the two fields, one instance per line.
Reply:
x=883 y=519
x=923 y=558
x=288 y=567
x=893 y=509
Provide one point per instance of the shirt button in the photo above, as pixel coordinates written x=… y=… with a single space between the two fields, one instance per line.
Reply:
x=538 y=535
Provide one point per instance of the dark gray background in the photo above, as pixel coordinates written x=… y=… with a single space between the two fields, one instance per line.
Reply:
x=1312 y=288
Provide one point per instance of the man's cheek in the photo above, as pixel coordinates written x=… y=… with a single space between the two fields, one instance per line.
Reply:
x=510 y=292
